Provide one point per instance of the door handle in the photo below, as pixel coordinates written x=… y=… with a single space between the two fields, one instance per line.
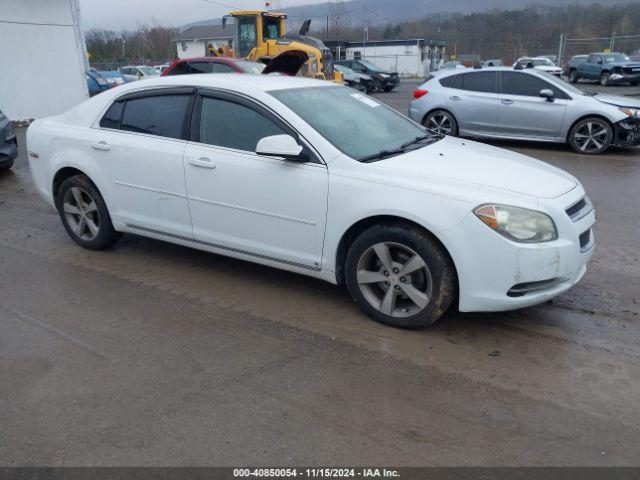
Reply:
x=455 y=98
x=101 y=146
x=506 y=101
x=202 y=162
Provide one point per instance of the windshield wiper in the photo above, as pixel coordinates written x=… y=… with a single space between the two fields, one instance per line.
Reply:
x=381 y=154
x=417 y=140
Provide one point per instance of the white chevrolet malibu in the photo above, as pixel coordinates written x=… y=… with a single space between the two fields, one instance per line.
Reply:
x=320 y=180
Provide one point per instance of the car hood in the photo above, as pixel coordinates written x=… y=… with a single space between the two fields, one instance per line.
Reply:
x=468 y=162
x=630 y=64
x=618 y=100
x=548 y=68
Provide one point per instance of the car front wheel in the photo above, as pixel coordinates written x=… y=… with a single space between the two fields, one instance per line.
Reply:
x=84 y=214
x=441 y=121
x=604 y=79
x=573 y=76
x=400 y=276
x=591 y=136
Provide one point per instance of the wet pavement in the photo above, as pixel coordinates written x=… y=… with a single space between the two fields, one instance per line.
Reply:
x=155 y=354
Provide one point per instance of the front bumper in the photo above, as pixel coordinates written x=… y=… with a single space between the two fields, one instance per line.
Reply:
x=624 y=77
x=496 y=274
x=8 y=147
x=627 y=133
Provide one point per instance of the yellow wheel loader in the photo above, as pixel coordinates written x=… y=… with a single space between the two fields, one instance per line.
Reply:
x=260 y=36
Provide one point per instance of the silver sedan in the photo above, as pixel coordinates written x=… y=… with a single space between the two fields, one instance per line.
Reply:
x=525 y=104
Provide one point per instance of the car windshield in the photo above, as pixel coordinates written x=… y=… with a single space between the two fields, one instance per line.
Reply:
x=615 y=57
x=148 y=70
x=253 y=68
x=371 y=66
x=356 y=124
x=343 y=69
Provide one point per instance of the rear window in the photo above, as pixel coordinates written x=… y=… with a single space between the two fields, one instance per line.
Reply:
x=447 y=81
x=112 y=118
x=473 y=82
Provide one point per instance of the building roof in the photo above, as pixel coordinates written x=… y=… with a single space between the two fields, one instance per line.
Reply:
x=432 y=42
x=205 y=32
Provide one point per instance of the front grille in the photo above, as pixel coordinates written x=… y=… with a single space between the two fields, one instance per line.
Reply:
x=580 y=209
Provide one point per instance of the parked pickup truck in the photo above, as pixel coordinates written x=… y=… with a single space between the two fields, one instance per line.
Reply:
x=606 y=68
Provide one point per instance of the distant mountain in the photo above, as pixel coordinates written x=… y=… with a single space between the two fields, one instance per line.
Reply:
x=385 y=11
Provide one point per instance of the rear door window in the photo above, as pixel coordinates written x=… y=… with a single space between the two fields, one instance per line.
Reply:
x=479 y=82
x=162 y=115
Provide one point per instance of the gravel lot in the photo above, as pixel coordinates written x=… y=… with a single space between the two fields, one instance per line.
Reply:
x=154 y=354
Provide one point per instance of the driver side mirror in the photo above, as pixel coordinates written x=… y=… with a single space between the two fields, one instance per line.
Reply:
x=284 y=146
x=548 y=94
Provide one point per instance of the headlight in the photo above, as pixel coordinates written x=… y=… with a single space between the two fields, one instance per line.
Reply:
x=518 y=224
x=11 y=133
x=384 y=75
x=631 y=112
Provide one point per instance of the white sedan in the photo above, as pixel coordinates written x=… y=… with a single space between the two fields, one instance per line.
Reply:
x=540 y=63
x=317 y=179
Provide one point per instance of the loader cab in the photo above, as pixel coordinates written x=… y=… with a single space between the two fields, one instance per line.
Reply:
x=253 y=28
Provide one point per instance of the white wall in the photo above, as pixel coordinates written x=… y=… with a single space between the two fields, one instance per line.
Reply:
x=197 y=48
x=42 y=54
x=404 y=59
x=193 y=49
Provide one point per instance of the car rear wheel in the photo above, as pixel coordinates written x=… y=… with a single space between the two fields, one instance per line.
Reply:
x=400 y=276
x=441 y=121
x=604 y=79
x=84 y=214
x=573 y=76
x=591 y=136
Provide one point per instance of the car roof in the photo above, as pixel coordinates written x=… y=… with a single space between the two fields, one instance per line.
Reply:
x=214 y=60
x=532 y=71
x=231 y=82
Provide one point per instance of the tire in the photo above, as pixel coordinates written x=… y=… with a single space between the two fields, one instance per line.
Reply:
x=413 y=300
x=635 y=84
x=591 y=136
x=6 y=167
x=573 y=76
x=375 y=86
x=84 y=214
x=441 y=121
x=604 y=79
x=388 y=89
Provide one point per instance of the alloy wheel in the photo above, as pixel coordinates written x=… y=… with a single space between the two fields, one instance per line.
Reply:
x=440 y=123
x=81 y=213
x=394 y=279
x=591 y=137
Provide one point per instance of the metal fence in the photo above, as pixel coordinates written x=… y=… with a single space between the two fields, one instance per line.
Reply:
x=569 y=47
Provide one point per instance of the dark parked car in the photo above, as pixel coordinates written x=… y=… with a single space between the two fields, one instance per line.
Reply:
x=608 y=69
x=186 y=66
x=8 y=143
x=96 y=83
x=381 y=79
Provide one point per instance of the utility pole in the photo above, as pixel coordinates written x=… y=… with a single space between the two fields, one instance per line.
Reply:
x=561 y=50
x=613 y=41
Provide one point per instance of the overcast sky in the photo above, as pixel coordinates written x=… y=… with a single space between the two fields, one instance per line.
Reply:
x=124 y=14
